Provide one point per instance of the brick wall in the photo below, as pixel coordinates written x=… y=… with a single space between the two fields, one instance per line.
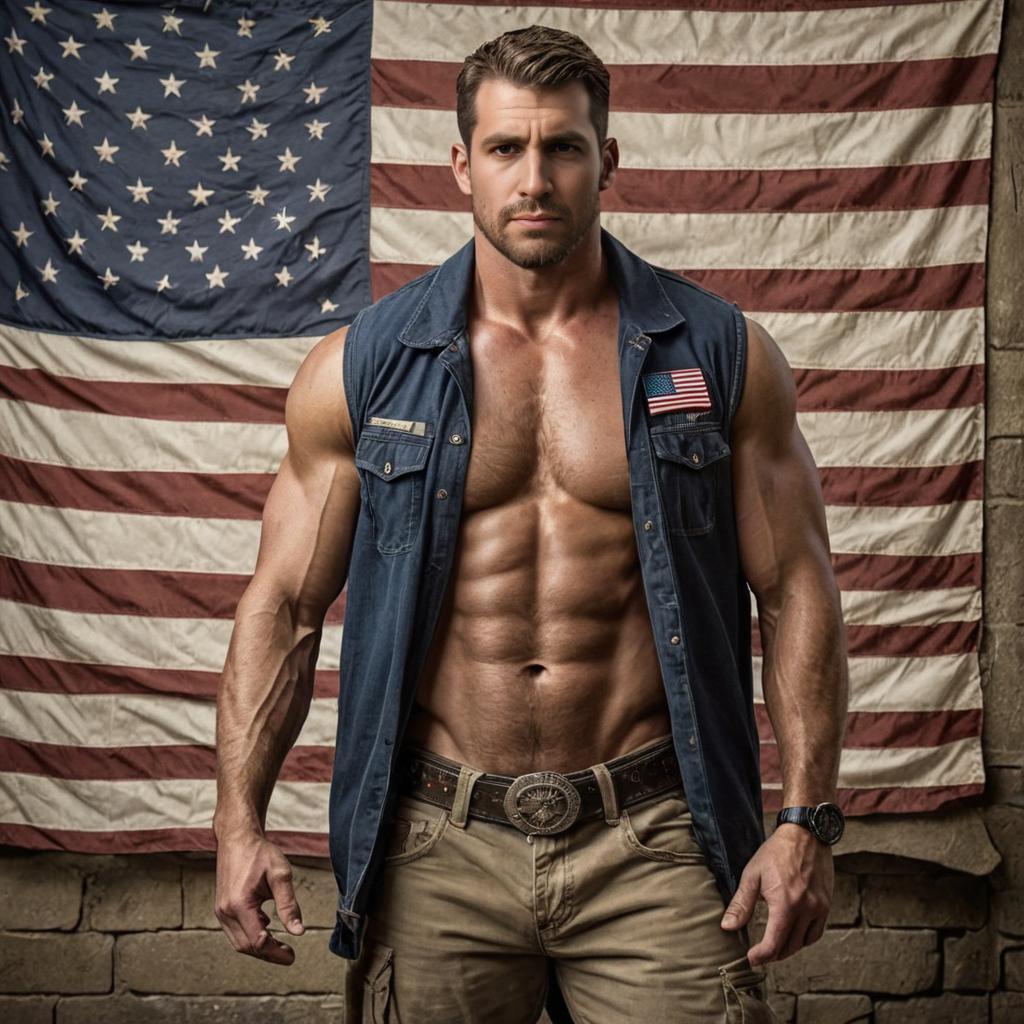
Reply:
x=126 y=939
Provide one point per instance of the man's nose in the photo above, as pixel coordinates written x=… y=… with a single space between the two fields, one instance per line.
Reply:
x=536 y=180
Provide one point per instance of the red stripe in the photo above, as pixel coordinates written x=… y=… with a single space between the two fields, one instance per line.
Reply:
x=888 y=800
x=906 y=572
x=892 y=728
x=195 y=402
x=730 y=190
x=664 y=88
x=778 y=290
x=902 y=485
x=903 y=641
x=205 y=495
x=952 y=387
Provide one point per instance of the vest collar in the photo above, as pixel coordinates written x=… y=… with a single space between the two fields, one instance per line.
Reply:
x=441 y=312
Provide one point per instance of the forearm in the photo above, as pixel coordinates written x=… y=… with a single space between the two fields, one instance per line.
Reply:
x=262 y=702
x=805 y=681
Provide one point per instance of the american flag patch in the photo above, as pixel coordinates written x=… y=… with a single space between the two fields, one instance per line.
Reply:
x=676 y=389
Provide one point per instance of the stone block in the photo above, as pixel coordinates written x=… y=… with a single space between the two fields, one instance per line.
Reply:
x=1006 y=827
x=845 y=909
x=315 y=890
x=1004 y=384
x=1010 y=70
x=1005 y=271
x=892 y=961
x=1003 y=695
x=947 y=900
x=1008 y=911
x=38 y=891
x=1007 y=1007
x=126 y=1008
x=1004 y=467
x=816 y=1008
x=783 y=1005
x=1004 y=784
x=948 y=1008
x=1004 y=542
x=27 y=1009
x=135 y=892
x=1013 y=970
x=46 y=962
x=205 y=963
x=970 y=962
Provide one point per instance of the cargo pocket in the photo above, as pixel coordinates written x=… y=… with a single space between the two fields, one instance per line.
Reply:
x=745 y=997
x=690 y=467
x=392 y=467
x=377 y=1002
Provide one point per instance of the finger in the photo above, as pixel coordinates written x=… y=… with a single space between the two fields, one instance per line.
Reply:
x=797 y=938
x=284 y=899
x=776 y=934
x=270 y=949
x=741 y=906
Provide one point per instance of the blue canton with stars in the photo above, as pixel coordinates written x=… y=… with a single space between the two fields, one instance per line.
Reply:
x=194 y=170
x=658 y=384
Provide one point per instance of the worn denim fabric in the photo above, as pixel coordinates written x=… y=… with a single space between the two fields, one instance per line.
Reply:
x=409 y=387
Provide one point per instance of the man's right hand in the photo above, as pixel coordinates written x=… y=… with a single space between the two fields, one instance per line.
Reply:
x=250 y=871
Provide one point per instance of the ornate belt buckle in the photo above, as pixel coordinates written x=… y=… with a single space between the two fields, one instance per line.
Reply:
x=542 y=803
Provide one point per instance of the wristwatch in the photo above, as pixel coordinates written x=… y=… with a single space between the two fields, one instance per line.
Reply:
x=824 y=821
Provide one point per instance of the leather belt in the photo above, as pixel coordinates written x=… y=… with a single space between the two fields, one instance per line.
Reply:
x=541 y=802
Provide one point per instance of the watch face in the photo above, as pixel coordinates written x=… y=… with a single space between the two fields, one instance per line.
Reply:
x=827 y=823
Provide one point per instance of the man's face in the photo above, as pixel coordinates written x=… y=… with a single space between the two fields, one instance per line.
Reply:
x=534 y=151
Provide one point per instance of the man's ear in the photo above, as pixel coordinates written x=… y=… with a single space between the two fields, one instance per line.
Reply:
x=460 y=168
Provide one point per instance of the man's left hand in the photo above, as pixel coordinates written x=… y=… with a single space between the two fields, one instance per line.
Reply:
x=793 y=871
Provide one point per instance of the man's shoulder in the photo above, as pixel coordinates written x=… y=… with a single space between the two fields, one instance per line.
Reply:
x=397 y=305
x=685 y=291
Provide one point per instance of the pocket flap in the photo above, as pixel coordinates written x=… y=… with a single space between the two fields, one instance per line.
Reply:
x=388 y=457
x=695 y=450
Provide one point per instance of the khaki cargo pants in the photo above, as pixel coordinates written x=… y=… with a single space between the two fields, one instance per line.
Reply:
x=466 y=914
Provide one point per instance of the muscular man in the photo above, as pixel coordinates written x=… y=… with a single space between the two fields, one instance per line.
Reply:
x=548 y=471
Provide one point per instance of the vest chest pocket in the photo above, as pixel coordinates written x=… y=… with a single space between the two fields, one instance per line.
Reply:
x=392 y=466
x=690 y=467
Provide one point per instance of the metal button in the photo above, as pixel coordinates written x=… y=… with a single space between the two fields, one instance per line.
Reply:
x=693 y=741
x=442 y=493
x=648 y=525
x=456 y=439
x=673 y=639
x=453 y=347
x=387 y=467
x=695 y=456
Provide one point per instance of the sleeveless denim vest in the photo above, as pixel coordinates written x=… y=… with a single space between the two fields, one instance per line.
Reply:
x=409 y=388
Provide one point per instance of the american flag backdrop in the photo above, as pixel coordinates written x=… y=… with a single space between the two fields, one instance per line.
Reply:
x=191 y=196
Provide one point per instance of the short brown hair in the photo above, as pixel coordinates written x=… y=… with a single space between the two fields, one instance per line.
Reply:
x=537 y=56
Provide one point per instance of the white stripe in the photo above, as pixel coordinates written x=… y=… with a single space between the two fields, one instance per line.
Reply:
x=447 y=32
x=952 y=529
x=267 y=362
x=129 y=720
x=945 y=683
x=91 y=440
x=130 y=640
x=720 y=141
x=812 y=241
x=97 y=805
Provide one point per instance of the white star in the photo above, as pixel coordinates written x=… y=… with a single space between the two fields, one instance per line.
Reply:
x=172 y=24
x=42 y=78
x=314 y=92
x=109 y=220
x=229 y=161
x=71 y=48
x=140 y=192
x=257 y=129
x=138 y=251
x=320 y=26
x=22 y=235
x=207 y=57
x=216 y=277
x=104 y=19
x=49 y=272
x=283 y=278
x=195 y=251
x=248 y=90
x=37 y=12
x=172 y=85
x=227 y=222
x=20 y=293
x=173 y=154
x=284 y=222
x=74 y=114
x=168 y=224
x=107 y=83
x=283 y=61
x=204 y=126
x=106 y=151
x=75 y=243
x=316 y=128
x=288 y=160
x=109 y=279
x=326 y=306
x=138 y=50
x=258 y=196
x=49 y=205
x=138 y=118
x=200 y=195
x=17 y=113
x=14 y=42
x=316 y=250
x=319 y=190
x=163 y=283
x=252 y=250
x=77 y=182
x=45 y=145
x=245 y=27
